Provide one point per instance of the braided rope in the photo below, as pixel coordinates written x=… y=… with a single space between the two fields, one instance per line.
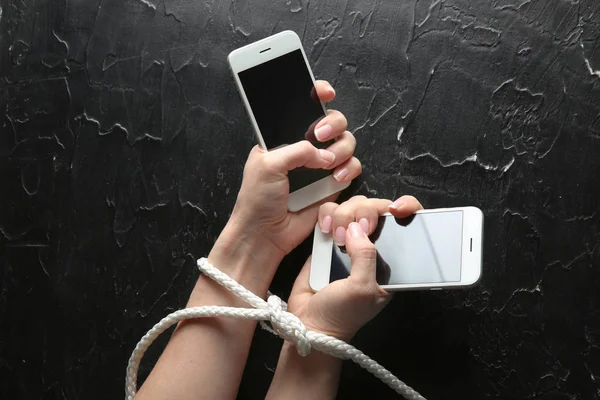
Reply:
x=283 y=323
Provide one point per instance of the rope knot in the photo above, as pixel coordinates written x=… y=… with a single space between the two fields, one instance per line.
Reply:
x=287 y=326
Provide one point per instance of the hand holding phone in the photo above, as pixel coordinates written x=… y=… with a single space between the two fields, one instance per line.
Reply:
x=260 y=216
x=344 y=306
x=341 y=308
x=278 y=91
x=426 y=249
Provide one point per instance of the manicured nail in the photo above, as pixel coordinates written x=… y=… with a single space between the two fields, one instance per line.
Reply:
x=341 y=174
x=326 y=224
x=397 y=204
x=327 y=155
x=364 y=224
x=330 y=89
x=356 y=230
x=324 y=133
x=340 y=236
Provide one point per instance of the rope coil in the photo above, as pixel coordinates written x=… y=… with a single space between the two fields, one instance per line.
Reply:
x=284 y=324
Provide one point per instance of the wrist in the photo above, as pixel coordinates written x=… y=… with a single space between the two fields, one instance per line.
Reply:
x=244 y=255
x=320 y=327
x=314 y=376
x=318 y=361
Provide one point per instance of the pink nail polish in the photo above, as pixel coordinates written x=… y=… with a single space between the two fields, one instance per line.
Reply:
x=356 y=230
x=324 y=133
x=364 y=224
x=341 y=174
x=340 y=236
x=327 y=156
x=397 y=204
x=331 y=90
x=326 y=224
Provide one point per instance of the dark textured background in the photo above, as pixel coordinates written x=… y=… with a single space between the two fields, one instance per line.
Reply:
x=122 y=143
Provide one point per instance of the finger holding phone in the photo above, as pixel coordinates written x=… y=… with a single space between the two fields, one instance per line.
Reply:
x=433 y=249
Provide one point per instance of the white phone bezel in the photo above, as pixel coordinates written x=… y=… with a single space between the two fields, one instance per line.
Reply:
x=470 y=263
x=252 y=55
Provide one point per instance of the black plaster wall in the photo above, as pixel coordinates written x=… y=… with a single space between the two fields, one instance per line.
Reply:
x=122 y=142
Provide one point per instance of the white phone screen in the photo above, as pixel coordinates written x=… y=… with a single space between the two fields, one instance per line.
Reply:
x=424 y=248
x=283 y=99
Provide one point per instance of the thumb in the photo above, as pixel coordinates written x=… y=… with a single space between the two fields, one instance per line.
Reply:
x=300 y=154
x=362 y=253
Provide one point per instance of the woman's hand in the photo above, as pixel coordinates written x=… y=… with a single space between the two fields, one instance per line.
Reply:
x=344 y=306
x=262 y=201
x=261 y=230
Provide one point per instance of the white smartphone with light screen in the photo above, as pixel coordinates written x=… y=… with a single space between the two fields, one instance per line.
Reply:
x=277 y=89
x=431 y=250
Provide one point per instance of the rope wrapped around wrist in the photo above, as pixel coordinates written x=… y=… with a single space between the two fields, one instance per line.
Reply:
x=283 y=324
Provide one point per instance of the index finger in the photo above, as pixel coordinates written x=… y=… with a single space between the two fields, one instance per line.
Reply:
x=324 y=91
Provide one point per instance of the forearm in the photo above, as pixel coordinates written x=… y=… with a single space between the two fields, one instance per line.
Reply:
x=205 y=358
x=315 y=376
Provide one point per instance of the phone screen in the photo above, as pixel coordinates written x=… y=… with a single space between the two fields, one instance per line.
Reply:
x=424 y=248
x=285 y=105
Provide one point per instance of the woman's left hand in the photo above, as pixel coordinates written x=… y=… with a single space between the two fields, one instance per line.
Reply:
x=261 y=230
x=262 y=201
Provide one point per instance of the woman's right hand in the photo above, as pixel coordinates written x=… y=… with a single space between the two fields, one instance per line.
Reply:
x=344 y=306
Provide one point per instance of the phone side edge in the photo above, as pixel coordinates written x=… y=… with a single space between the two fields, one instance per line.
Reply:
x=473 y=221
x=320 y=264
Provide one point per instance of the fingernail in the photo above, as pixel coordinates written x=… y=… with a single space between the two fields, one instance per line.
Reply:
x=327 y=155
x=356 y=230
x=330 y=88
x=341 y=174
x=397 y=204
x=326 y=224
x=340 y=236
x=364 y=224
x=324 y=132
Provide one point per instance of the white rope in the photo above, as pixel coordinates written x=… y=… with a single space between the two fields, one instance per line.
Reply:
x=284 y=324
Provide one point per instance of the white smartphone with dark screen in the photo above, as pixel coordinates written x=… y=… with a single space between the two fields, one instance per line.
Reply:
x=433 y=249
x=277 y=89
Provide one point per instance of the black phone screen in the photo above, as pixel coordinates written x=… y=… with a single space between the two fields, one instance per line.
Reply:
x=285 y=105
x=424 y=248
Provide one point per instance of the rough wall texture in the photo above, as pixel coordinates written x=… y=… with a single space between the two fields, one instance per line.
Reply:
x=122 y=142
